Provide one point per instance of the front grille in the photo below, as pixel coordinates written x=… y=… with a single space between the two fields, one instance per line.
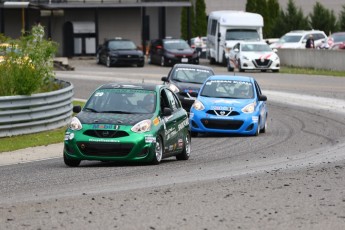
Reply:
x=104 y=149
x=129 y=56
x=106 y=133
x=222 y=124
x=216 y=112
x=258 y=63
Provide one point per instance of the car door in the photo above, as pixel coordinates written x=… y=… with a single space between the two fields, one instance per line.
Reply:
x=261 y=104
x=174 y=124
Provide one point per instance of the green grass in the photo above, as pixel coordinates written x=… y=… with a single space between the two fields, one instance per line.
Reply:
x=310 y=71
x=8 y=144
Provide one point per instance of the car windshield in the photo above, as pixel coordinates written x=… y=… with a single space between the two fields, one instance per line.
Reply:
x=290 y=38
x=240 y=34
x=228 y=89
x=338 y=37
x=176 y=45
x=256 y=48
x=191 y=75
x=122 y=45
x=131 y=101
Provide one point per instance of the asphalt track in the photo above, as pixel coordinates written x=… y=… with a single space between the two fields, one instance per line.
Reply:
x=288 y=178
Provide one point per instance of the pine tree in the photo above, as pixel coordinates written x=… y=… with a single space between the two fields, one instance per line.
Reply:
x=200 y=18
x=323 y=19
x=342 y=19
x=251 y=6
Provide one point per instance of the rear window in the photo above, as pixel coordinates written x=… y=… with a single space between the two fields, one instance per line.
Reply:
x=176 y=44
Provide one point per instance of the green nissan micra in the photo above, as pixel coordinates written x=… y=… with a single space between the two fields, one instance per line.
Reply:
x=128 y=122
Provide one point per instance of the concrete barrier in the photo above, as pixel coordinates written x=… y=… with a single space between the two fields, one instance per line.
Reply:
x=313 y=58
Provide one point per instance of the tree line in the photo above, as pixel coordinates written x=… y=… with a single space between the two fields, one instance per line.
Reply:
x=277 y=21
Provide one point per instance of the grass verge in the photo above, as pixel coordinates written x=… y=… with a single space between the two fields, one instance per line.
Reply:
x=309 y=71
x=8 y=144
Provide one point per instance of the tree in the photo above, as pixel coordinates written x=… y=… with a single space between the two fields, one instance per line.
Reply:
x=292 y=19
x=342 y=19
x=184 y=22
x=273 y=14
x=323 y=19
x=200 y=18
x=251 y=6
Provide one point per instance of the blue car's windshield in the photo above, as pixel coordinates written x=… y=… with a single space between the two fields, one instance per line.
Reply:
x=123 y=101
x=228 y=89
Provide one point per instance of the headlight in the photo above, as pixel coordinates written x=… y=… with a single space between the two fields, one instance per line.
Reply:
x=249 y=108
x=198 y=105
x=174 y=88
x=142 y=126
x=75 y=124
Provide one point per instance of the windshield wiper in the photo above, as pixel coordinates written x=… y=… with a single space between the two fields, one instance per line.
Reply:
x=114 y=111
x=91 y=110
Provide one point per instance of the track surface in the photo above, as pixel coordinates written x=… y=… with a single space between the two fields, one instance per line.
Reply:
x=288 y=178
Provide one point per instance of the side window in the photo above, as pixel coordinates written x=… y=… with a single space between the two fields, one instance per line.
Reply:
x=257 y=87
x=214 y=27
x=174 y=103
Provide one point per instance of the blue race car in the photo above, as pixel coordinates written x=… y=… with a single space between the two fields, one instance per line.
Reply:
x=229 y=104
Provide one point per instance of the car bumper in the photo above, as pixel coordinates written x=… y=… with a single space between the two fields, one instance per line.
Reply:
x=175 y=60
x=138 y=147
x=127 y=61
x=245 y=124
x=260 y=64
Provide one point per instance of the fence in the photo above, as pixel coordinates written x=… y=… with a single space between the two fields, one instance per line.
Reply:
x=36 y=113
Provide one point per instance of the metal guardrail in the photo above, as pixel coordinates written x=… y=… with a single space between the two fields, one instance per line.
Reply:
x=36 y=113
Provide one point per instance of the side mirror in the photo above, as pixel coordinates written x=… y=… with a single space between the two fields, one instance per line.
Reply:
x=219 y=34
x=167 y=111
x=165 y=79
x=76 y=109
x=262 y=98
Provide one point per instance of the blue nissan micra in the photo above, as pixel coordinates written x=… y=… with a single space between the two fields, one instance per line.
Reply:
x=229 y=104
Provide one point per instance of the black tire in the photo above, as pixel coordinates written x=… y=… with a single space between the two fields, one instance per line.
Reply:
x=212 y=61
x=239 y=67
x=71 y=162
x=257 y=131
x=264 y=129
x=158 y=153
x=162 y=61
x=108 y=63
x=98 y=60
x=184 y=155
x=194 y=134
x=140 y=64
x=264 y=70
x=275 y=71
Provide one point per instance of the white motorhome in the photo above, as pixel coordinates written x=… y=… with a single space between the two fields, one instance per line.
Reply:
x=226 y=28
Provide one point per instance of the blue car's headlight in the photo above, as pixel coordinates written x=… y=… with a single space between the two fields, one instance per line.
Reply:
x=142 y=126
x=250 y=108
x=75 y=124
x=198 y=105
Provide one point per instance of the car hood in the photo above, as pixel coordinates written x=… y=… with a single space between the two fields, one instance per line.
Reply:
x=260 y=55
x=188 y=87
x=127 y=52
x=223 y=103
x=111 y=118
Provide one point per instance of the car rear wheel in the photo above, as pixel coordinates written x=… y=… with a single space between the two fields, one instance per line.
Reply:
x=158 y=151
x=184 y=155
x=98 y=59
x=71 y=162
x=230 y=69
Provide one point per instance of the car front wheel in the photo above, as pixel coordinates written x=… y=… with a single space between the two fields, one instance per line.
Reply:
x=108 y=62
x=184 y=155
x=71 y=162
x=158 y=151
x=162 y=61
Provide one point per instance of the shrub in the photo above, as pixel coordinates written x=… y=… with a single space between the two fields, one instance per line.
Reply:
x=28 y=65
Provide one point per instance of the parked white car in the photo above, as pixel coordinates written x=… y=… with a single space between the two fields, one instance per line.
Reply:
x=296 y=39
x=253 y=56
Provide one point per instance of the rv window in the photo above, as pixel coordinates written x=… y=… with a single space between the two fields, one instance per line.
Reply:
x=242 y=34
x=214 y=27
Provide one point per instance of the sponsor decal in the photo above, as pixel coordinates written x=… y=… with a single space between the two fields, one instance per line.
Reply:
x=105 y=126
x=226 y=101
x=180 y=143
x=255 y=119
x=221 y=108
x=156 y=121
x=171 y=148
x=150 y=139
x=103 y=140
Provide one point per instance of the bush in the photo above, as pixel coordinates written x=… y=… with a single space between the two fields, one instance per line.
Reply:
x=28 y=65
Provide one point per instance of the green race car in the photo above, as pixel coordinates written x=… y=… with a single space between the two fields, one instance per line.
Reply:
x=128 y=122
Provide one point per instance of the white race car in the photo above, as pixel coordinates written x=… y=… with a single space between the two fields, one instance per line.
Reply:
x=253 y=56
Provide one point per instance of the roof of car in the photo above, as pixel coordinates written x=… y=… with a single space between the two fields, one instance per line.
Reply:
x=129 y=85
x=230 y=77
x=304 y=32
